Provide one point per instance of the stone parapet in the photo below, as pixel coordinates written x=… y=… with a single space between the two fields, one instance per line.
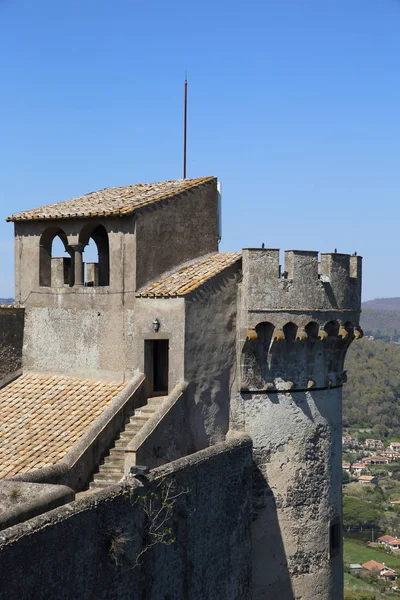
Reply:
x=304 y=284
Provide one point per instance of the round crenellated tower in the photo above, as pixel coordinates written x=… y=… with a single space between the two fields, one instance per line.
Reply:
x=294 y=329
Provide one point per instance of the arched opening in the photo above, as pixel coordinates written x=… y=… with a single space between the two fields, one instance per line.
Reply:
x=290 y=331
x=312 y=330
x=332 y=328
x=96 y=255
x=55 y=264
x=255 y=357
x=349 y=327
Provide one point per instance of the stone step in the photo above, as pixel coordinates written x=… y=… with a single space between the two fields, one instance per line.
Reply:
x=117 y=452
x=121 y=444
x=148 y=409
x=134 y=427
x=127 y=436
x=155 y=400
x=139 y=418
x=106 y=476
x=111 y=469
x=113 y=461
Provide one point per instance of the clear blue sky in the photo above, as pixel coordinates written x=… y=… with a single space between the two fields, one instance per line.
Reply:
x=293 y=104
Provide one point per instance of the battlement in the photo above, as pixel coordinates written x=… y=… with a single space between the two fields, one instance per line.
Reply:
x=334 y=283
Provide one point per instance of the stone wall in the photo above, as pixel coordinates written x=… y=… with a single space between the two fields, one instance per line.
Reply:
x=89 y=548
x=174 y=231
x=11 y=338
x=210 y=357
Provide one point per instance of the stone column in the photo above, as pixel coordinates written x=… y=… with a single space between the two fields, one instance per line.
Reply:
x=77 y=252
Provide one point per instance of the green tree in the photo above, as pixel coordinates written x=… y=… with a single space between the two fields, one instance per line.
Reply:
x=357 y=513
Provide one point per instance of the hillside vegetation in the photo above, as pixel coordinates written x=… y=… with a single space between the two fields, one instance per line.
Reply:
x=381 y=318
x=371 y=396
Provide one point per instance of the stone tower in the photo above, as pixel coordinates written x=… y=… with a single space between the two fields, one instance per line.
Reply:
x=294 y=329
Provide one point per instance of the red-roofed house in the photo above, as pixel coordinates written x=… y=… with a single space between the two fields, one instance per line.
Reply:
x=385 y=539
x=379 y=569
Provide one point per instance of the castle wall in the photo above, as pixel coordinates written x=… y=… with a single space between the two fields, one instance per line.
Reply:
x=89 y=548
x=175 y=231
x=210 y=357
x=11 y=336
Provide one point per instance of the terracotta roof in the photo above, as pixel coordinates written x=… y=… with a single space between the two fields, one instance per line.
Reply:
x=118 y=201
x=42 y=416
x=372 y=565
x=386 y=538
x=388 y=572
x=188 y=278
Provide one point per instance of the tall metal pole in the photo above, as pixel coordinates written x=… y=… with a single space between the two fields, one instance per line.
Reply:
x=185 y=128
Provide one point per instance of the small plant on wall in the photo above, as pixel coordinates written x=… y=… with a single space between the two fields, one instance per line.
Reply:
x=158 y=506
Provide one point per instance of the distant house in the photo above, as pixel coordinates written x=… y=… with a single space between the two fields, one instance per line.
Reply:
x=379 y=569
x=385 y=539
x=391 y=455
x=368 y=479
x=395 y=446
x=376 y=460
x=372 y=444
x=394 y=544
x=357 y=468
x=347 y=440
x=346 y=466
x=388 y=574
x=355 y=568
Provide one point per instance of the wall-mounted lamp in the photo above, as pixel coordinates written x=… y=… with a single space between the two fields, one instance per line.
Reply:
x=156 y=325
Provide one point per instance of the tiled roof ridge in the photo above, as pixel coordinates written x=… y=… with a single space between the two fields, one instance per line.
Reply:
x=130 y=198
x=189 y=277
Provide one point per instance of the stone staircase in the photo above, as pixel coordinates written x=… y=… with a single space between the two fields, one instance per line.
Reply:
x=111 y=469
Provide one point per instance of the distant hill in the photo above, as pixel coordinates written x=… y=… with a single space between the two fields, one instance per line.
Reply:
x=381 y=318
x=6 y=300
x=382 y=304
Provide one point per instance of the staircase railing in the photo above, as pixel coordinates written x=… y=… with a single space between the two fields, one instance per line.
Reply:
x=164 y=437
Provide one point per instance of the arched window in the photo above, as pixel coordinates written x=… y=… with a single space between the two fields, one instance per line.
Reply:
x=54 y=258
x=96 y=255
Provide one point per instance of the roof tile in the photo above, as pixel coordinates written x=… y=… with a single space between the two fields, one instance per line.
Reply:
x=118 y=201
x=188 y=278
x=37 y=427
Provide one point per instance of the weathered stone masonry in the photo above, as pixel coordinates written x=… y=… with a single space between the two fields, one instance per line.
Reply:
x=12 y=331
x=293 y=332
x=88 y=549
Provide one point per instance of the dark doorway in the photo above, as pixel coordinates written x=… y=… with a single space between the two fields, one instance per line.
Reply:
x=156 y=365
